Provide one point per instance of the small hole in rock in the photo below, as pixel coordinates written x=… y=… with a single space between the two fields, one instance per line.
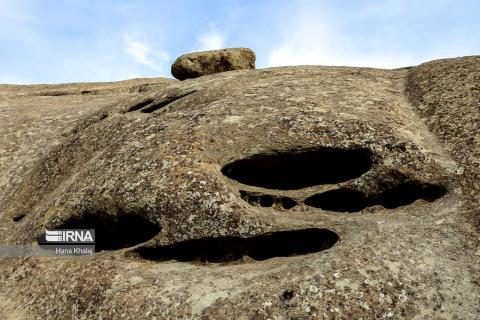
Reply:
x=288 y=295
x=300 y=169
x=19 y=217
x=230 y=249
x=114 y=232
x=253 y=200
x=287 y=203
x=266 y=201
x=244 y=195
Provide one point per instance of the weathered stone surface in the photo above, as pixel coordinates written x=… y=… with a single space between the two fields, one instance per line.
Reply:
x=196 y=64
x=447 y=95
x=209 y=159
x=34 y=118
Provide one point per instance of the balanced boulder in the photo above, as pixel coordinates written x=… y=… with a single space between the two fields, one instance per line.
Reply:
x=196 y=64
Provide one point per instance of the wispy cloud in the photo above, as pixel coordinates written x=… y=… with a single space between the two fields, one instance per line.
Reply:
x=313 y=37
x=306 y=40
x=211 y=40
x=142 y=53
x=56 y=41
x=312 y=41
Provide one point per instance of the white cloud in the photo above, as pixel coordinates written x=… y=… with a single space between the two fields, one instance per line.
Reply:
x=211 y=41
x=308 y=41
x=313 y=38
x=142 y=53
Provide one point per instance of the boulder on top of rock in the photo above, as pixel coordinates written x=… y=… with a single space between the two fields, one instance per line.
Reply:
x=196 y=64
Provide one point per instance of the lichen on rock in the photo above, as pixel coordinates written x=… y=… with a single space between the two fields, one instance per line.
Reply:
x=196 y=64
x=210 y=175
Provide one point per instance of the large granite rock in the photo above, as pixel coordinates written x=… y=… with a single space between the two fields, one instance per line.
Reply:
x=196 y=64
x=292 y=192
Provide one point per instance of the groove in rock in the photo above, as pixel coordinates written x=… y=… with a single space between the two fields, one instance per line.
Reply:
x=140 y=105
x=230 y=249
x=300 y=169
x=155 y=106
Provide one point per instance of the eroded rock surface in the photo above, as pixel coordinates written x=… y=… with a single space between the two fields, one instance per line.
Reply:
x=229 y=174
x=196 y=64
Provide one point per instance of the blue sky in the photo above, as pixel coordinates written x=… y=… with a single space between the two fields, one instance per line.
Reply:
x=50 y=41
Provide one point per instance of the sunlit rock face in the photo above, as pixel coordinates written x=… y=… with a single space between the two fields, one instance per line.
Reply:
x=197 y=64
x=293 y=192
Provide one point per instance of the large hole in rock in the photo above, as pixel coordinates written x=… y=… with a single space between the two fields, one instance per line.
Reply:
x=300 y=169
x=230 y=249
x=114 y=232
x=408 y=193
x=347 y=200
x=341 y=200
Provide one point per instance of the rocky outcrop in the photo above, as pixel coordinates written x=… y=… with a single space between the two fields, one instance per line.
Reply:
x=196 y=64
x=292 y=192
x=446 y=93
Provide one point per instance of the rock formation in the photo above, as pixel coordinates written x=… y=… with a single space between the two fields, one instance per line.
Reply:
x=284 y=193
x=196 y=64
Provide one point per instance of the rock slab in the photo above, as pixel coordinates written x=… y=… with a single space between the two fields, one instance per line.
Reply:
x=196 y=64
x=302 y=192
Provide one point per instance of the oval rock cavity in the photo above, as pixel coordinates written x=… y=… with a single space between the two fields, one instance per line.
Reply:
x=300 y=169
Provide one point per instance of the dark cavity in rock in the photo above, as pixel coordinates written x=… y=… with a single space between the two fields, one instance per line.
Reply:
x=300 y=169
x=287 y=203
x=348 y=200
x=288 y=295
x=231 y=249
x=114 y=232
x=19 y=217
x=266 y=200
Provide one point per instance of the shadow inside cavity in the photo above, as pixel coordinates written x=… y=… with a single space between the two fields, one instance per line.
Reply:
x=348 y=200
x=300 y=169
x=231 y=249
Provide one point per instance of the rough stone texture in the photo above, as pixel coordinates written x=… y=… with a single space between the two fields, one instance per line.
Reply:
x=159 y=155
x=196 y=64
x=447 y=95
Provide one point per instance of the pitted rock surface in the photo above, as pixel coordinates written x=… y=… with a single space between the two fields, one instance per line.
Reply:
x=196 y=64
x=175 y=158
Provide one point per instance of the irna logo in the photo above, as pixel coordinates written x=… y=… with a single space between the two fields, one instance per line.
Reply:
x=70 y=236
